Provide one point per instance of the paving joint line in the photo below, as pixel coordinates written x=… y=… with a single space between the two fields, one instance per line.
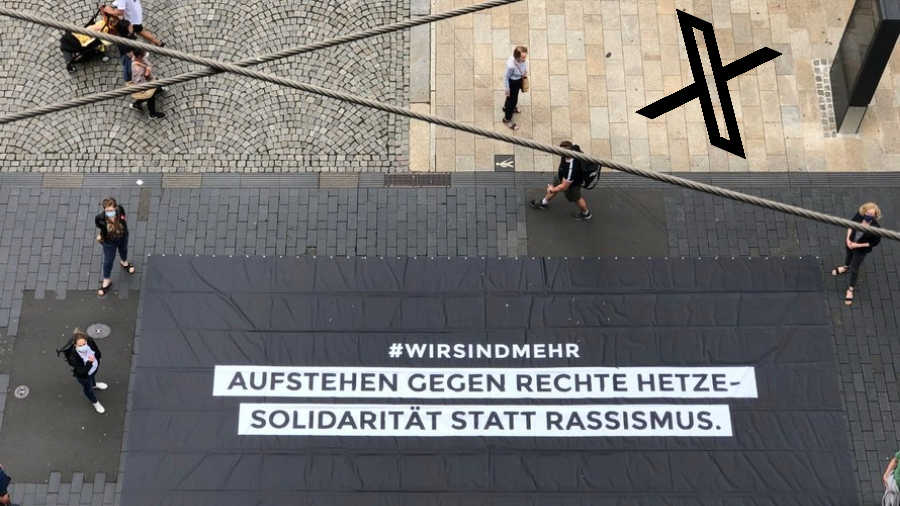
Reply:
x=339 y=180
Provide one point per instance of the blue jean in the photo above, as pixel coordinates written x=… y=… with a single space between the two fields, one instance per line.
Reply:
x=126 y=67
x=88 y=385
x=109 y=254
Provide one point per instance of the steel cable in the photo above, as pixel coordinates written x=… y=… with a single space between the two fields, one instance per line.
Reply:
x=197 y=74
x=658 y=176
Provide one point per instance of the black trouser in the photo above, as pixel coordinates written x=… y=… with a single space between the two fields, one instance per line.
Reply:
x=853 y=260
x=151 y=103
x=515 y=86
x=88 y=383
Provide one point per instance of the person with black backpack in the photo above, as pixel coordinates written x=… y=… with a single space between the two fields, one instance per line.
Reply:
x=84 y=357
x=569 y=179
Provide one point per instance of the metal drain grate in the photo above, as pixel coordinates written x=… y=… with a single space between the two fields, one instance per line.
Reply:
x=98 y=331
x=442 y=179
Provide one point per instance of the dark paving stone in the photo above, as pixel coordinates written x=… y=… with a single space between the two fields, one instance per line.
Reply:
x=387 y=221
x=866 y=327
x=55 y=428
x=624 y=223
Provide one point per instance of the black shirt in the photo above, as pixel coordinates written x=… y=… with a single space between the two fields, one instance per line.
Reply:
x=570 y=171
x=123 y=50
x=100 y=222
x=867 y=238
x=79 y=368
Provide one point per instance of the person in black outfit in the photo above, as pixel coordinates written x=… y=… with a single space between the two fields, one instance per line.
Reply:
x=124 y=29
x=568 y=180
x=113 y=236
x=858 y=244
x=84 y=358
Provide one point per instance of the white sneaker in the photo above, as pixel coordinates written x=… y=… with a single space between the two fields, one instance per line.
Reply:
x=99 y=408
x=100 y=386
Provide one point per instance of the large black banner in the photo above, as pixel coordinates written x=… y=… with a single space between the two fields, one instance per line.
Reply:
x=467 y=382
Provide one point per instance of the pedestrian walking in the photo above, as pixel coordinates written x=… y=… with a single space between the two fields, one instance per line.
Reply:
x=85 y=361
x=113 y=237
x=568 y=180
x=515 y=75
x=125 y=29
x=858 y=244
x=5 y=480
x=133 y=11
x=142 y=72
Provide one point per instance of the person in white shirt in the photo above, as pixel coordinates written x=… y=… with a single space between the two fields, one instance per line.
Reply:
x=134 y=13
x=516 y=70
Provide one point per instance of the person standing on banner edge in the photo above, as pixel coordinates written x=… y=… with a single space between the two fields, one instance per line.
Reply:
x=857 y=245
x=515 y=79
x=113 y=237
x=84 y=357
x=568 y=180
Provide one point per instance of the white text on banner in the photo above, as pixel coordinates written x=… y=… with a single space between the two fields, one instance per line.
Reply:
x=479 y=383
x=484 y=420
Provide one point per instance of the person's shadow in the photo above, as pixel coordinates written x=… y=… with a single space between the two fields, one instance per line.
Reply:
x=624 y=223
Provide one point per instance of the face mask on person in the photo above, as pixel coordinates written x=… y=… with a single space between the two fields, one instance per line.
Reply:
x=868 y=218
x=110 y=214
x=82 y=349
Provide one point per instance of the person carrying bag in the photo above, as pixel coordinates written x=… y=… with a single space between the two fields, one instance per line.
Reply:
x=142 y=72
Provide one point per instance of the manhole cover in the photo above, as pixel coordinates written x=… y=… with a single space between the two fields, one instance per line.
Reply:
x=21 y=391
x=98 y=331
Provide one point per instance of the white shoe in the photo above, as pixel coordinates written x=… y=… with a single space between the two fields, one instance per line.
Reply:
x=99 y=407
x=100 y=386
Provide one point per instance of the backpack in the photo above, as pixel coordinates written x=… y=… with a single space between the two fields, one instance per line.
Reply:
x=66 y=350
x=589 y=178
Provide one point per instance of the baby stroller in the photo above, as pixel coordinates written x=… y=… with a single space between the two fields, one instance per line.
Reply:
x=78 y=48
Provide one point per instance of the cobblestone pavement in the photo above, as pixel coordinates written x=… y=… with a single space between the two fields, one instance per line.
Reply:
x=223 y=123
x=593 y=64
x=46 y=244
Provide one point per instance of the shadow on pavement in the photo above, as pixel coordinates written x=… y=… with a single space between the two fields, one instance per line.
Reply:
x=624 y=223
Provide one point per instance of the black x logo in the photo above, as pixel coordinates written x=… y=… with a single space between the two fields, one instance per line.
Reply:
x=699 y=88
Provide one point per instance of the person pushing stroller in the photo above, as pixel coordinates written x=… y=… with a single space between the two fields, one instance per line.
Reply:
x=79 y=48
x=133 y=11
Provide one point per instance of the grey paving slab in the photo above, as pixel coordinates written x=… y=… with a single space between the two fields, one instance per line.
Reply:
x=466 y=219
x=624 y=223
